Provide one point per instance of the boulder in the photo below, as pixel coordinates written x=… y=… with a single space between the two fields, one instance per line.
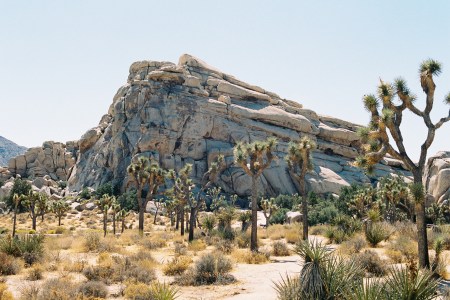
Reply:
x=293 y=217
x=437 y=176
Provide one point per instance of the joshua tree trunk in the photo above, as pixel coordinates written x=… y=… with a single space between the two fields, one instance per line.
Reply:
x=182 y=221
x=123 y=224
x=59 y=220
x=114 y=223
x=422 y=241
x=33 y=222
x=192 y=224
x=14 y=221
x=177 y=226
x=156 y=214
x=301 y=184
x=254 y=232
x=141 y=221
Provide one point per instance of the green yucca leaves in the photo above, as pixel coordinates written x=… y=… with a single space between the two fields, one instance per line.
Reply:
x=370 y=102
x=447 y=99
x=387 y=115
x=417 y=192
x=400 y=86
x=432 y=66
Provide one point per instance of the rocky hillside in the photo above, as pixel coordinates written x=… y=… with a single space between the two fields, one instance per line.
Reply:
x=191 y=112
x=9 y=150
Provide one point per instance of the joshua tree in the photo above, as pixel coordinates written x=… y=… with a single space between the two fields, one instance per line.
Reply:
x=59 y=208
x=299 y=160
x=42 y=205
x=394 y=191
x=377 y=140
x=217 y=199
x=245 y=217
x=254 y=158
x=269 y=208
x=104 y=204
x=16 y=199
x=115 y=209
x=122 y=215
x=30 y=202
x=145 y=174
x=183 y=186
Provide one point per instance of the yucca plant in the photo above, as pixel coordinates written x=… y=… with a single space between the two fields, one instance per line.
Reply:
x=163 y=291
x=403 y=285
x=369 y=290
x=288 y=288
x=377 y=232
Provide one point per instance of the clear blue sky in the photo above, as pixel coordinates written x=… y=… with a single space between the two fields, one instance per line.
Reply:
x=61 y=62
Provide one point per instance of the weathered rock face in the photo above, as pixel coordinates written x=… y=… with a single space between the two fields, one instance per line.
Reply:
x=191 y=112
x=53 y=159
x=437 y=176
x=9 y=150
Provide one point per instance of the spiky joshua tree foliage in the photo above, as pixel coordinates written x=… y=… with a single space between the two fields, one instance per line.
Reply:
x=145 y=175
x=387 y=119
x=299 y=160
x=254 y=158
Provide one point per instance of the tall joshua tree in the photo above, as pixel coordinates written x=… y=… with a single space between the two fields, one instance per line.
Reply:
x=254 y=158
x=59 y=208
x=299 y=160
x=16 y=199
x=377 y=141
x=30 y=202
x=104 y=204
x=183 y=186
x=145 y=175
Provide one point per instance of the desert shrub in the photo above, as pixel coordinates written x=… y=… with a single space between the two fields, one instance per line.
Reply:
x=20 y=187
x=210 y=268
x=180 y=248
x=347 y=224
x=58 y=289
x=3 y=230
x=35 y=272
x=279 y=217
x=353 y=245
x=394 y=255
x=243 y=240
x=157 y=291
x=197 y=245
x=406 y=229
x=318 y=229
x=406 y=246
x=287 y=201
x=209 y=221
x=321 y=210
x=94 y=289
x=372 y=263
x=280 y=248
x=60 y=230
x=128 y=201
x=4 y=293
x=177 y=265
x=154 y=242
x=292 y=236
x=378 y=232
x=106 y=188
x=249 y=257
x=9 y=265
x=335 y=235
x=225 y=246
x=92 y=241
x=85 y=194
x=29 y=247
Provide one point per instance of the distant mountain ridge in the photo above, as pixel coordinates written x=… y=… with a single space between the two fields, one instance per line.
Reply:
x=8 y=150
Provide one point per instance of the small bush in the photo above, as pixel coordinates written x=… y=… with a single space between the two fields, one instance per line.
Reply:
x=95 y=289
x=59 y=289
x=371 y=263
x=405 y=245
x=153 y=243
x=249 y=257
x=335 y=235
x=395 y=256
x=36 y=272
x=177 y=265
x=353 y=245
x=292 y=236
x=157 y=291
x=29 y=247
x=243 y=240
x=197 y=245
x=225 y=246
x=9 y=265
x=280 y=248
x=180 y=249
x=92 y=241
x=4 y=293
x=378 y=232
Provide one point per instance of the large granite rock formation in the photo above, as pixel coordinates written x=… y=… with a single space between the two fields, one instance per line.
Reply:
x=8 y=150
x=437 y=176
x=191 y=112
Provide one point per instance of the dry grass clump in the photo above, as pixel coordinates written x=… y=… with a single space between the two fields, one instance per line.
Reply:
x=224 y=246
x=54 y=243
x=405 y=245
x=250 y=257
x=93 y=242
x=157 y=290
x=153 y=242
x=180 y=248
x=58 y=289
x=210 y=268
x=111 y=269
x=372 y=263
x=353 y=245
x=177 y=265
x=4 y=293
x=279 y=248
x=197 y=245
x=93 y=289
x=243 y=240
x=36 y=272
x=76 y=266
x=9 y=265
x=318 y=230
